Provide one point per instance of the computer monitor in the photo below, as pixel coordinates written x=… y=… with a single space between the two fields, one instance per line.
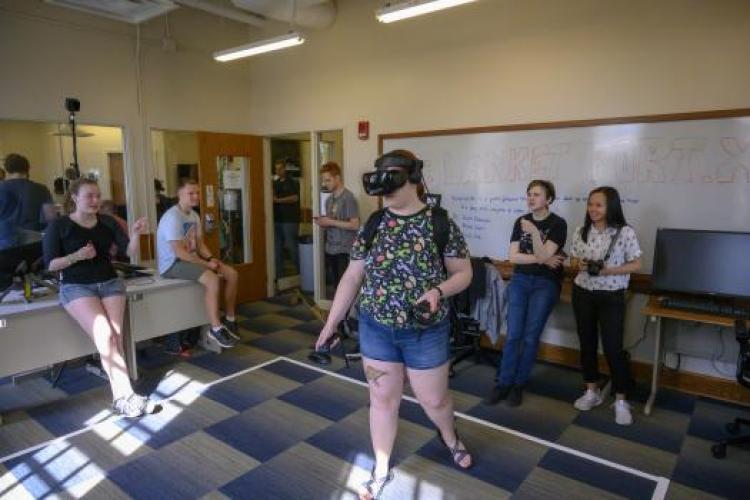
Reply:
x=702 y=262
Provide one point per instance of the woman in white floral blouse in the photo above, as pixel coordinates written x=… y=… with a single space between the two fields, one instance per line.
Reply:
x=605 y=251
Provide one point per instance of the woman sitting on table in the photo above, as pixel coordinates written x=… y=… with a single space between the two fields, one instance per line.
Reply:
x=605 y=251
x=81 y=246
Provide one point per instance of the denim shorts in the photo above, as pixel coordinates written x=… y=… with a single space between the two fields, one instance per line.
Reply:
x=72 y=291
x=418 y=349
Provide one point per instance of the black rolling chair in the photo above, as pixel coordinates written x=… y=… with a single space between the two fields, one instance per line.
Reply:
x=466 y=331
x=719 y=450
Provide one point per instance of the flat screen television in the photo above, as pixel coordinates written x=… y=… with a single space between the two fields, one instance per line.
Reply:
x=702 y=262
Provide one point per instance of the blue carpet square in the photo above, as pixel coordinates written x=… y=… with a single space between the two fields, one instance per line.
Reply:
x=598 y=475
x=301 y=313
x=333 y=400
x=726 y=478
x=263 y=324
x=281 y=344
x=147 y=478
x=644 y=431
x=238 y=394
x=293 y=371
x=548 y=427
x=222 y=364
x=76 y=379
x=255 y=435
x=312 y=327
x=70 y=414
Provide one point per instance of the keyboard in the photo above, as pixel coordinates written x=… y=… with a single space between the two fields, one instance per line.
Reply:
x=705 y=306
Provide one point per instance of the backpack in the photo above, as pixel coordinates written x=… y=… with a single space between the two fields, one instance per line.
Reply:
x=440 y=228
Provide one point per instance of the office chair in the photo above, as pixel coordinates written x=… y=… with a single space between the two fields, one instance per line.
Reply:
x=719 y=450
x=466 y=333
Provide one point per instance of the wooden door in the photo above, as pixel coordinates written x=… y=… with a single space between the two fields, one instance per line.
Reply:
x=117 y=179
x=212 y=146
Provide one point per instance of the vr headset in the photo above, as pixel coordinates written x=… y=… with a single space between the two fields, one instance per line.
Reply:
x=384 y=182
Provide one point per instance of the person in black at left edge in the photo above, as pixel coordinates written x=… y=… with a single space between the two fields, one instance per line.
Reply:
x=81 y=246
x=285 y=216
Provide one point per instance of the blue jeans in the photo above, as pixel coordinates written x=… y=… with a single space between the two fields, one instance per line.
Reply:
x=415 y=348
x=530 y=302
x=285 y=236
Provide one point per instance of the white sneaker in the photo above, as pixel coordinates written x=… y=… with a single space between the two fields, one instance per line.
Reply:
x=589 y=400
x=622 y=412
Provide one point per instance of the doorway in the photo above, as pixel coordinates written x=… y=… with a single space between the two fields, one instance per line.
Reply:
x=229 y=169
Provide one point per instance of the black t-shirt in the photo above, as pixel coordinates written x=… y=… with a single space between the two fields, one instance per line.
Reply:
x=553 y=228
x=286 y=212
x=64 y=236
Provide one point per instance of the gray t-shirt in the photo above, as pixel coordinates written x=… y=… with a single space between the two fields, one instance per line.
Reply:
x=341 y=207
x=176 y=226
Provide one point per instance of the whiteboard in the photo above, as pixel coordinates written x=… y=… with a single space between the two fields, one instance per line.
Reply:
x=681 y=174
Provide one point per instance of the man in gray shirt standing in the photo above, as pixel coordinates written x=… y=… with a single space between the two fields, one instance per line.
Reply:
x=341 y=222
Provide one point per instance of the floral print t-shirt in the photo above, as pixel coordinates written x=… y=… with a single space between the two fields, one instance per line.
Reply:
x=402 y=264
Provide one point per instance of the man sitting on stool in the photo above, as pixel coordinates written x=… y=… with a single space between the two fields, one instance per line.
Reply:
x=183 y=255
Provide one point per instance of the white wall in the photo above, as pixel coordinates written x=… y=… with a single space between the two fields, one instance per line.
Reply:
x=489 y=63
x=504 y=61
x=49 y=53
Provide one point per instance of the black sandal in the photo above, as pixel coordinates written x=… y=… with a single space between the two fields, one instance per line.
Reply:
x=457 y=454
x=374 y=486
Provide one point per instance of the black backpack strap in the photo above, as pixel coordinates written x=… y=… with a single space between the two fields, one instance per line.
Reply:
x=371 y=228
x=440 y=229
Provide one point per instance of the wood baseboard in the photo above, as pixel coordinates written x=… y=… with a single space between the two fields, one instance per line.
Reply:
x=692 y=383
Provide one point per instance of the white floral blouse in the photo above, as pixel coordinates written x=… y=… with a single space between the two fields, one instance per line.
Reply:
x=625 y=250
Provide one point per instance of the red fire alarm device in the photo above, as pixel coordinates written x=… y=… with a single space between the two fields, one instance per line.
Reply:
x=363 y=129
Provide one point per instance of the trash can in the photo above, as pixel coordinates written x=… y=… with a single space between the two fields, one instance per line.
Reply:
x=306 y=262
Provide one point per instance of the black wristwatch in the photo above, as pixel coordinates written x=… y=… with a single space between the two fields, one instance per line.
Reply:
x=440 y=291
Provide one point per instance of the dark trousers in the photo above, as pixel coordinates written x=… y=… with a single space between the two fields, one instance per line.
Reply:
x=336 y=264
x=605 y=310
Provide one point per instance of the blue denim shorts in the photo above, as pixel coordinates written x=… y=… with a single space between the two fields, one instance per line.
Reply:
x=418 y=349
x=72 y=291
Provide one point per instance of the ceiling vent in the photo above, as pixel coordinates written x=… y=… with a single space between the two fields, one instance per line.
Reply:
x=129 y=11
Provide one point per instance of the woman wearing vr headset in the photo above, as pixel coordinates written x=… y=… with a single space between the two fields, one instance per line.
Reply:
x=399 y=268
x=605 y=251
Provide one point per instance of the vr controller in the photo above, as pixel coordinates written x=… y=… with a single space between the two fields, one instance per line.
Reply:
x=322 y=355
x=422 y=316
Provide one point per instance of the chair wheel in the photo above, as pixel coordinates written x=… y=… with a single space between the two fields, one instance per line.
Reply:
x=733 y=428
x=719 y=451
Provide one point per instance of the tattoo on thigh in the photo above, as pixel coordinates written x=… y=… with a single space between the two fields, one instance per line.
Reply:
x=373 y=374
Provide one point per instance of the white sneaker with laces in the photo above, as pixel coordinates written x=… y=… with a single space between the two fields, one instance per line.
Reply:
x=589 y=400
x=622 y=412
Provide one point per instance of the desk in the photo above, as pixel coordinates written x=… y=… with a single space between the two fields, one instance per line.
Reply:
x=41 y=334
x=654 y=310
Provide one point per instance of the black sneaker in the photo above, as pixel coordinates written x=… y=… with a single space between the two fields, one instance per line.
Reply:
x=499 y=393
x=233 y=329
x=222 y=336
x=515 y=396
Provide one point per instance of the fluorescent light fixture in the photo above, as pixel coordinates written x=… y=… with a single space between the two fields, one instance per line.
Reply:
x=413 y=8
x=255 y=48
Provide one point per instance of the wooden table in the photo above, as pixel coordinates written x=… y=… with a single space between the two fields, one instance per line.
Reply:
x=656 y=312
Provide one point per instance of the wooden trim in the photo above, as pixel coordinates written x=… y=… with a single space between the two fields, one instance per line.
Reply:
x=671 y=117
x=639 y=283
x=146 y=242
x=692 y=383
